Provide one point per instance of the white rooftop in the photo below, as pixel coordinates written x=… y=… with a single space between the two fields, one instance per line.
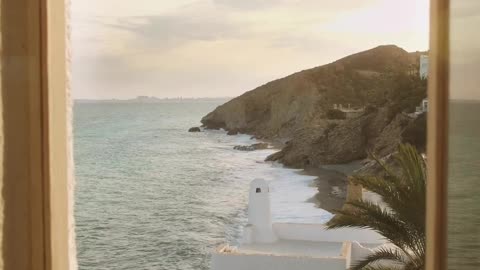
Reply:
x=286 y=246
x=294 y=248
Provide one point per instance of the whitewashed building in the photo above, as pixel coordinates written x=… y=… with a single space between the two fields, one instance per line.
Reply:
x=423 y=108
x=423 y=71
x=277 y=246
x=348 y=111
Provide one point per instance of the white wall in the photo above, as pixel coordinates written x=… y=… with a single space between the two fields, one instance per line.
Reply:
x=259 y=215
x=231 y=261
x=423 y=72
x=358 y=252
x=317 y=232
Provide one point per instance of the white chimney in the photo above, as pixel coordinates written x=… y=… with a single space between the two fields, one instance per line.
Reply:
x=259 y=216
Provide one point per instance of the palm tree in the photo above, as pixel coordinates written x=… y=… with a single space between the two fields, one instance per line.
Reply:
x=401 y=218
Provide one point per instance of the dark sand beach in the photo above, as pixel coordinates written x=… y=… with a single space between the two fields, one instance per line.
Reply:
x=331 y=182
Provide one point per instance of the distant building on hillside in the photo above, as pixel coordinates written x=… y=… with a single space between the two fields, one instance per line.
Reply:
x=349 y=111
x=423 y=70
x=423 y=108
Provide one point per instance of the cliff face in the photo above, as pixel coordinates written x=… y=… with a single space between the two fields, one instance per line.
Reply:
x=295 y=108
x=275 y=109
x=344 y=142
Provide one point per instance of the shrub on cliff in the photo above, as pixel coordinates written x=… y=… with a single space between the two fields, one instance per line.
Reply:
x=401 y=216
x=335 y=114
x=407 y=93
x=370 y=109
x=416 y=132
x=329 y=128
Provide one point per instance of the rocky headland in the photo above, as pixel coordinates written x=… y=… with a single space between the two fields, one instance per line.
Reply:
x=309 y=112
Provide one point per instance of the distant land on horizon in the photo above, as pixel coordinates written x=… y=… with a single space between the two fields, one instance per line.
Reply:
x=151 y=99
x=462 y=100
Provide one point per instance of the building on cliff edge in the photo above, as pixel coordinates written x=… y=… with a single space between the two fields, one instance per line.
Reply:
x=349 y=111
x=423 y=71
x=421 y=109
x=277 y=246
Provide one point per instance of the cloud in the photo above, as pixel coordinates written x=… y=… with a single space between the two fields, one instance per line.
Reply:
x=249 y=5
x=215 y=20
x=175 y=30
x=318 y=6
x=211 y=48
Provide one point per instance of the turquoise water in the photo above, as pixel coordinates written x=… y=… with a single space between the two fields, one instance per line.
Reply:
x=150 y=195
x=464 y=187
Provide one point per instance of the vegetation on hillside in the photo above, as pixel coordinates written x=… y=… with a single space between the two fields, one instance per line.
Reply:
x=335 y=114
x=407 y=93
x=401 y=217
x=416 y=133
x=398 y=90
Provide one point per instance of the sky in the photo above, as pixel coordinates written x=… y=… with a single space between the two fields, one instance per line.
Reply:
x=217 y=48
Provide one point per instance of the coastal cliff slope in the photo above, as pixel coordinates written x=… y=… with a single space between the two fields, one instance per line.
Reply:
x=295 y=109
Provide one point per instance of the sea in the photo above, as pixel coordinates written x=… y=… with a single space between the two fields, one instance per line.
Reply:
x=150 y=195
x=464 y=186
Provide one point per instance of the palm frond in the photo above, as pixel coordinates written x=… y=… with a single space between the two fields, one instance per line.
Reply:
x=379 y=257
x=365 y=214
x=400 y=218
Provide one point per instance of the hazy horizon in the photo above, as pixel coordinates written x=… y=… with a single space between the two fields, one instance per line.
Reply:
x=210 y=48
x=160 y=98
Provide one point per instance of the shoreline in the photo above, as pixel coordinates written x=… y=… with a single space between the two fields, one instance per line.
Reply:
x=331 y=181
x=331 y=184
x=331 y=188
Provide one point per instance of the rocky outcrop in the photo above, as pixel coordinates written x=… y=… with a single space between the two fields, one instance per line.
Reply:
x=343 y=142
x=194 y=129
x=253 y=147
x=281 y=107
x=233 y=132
x=294 y=109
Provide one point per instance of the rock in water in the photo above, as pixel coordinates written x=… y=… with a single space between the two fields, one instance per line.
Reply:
x=194 y=129
x=253 y=147
x=232 y=132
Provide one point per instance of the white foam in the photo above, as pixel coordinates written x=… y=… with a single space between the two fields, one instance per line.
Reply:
x=290 y=191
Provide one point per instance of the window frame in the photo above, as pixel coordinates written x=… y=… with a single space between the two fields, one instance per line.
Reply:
x=59 y=248
x=37 y=218
x=57 y=236
x=437 y=135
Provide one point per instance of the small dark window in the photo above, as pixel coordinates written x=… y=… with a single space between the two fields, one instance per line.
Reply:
x=258 y=190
